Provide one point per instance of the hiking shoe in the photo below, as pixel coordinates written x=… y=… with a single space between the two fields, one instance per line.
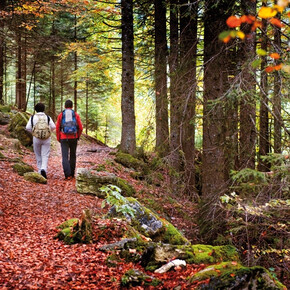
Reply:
x=43 y=173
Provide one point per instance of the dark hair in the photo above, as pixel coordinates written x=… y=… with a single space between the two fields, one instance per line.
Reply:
x=68 y=104
x=39 y=107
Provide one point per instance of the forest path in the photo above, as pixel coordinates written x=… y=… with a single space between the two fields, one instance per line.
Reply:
x=30 y=257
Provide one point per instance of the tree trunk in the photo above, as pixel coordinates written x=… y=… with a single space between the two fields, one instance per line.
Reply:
x=2 y=53
x=247 y=53
x=162 y=130
x=188 y=46
x=76 y=68
x=264 y=144
x=175 y=106
x=128 y=140
x=21 y=73
x=277 y=97
x=215 y=86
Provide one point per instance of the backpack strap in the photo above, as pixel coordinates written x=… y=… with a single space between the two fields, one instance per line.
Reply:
x=47 y=119
x=32 y=121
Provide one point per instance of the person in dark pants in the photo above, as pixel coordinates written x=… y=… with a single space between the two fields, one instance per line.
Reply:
x=68 y=131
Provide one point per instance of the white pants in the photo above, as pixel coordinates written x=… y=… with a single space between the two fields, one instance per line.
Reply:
x=42 y=150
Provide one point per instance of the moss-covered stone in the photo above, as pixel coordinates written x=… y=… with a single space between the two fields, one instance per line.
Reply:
x=17 y=128
x=35 y=177
x=157 y=254
x=76 y=230
x=127 y=189
x=129 y=161
x=5 y=109
x=4 y=118
x=21 y=168
x=135 y=277
x=232 y=275
x=2 y=156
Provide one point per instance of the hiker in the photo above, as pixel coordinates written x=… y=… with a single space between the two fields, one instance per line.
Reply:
x=68 y=131
x=41 y=126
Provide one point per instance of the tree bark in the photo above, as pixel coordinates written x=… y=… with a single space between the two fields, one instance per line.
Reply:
x=175 y=106
x=264 y=144
x=248 y=136
x=2 y=53
x=214 y=184
x=162 y=130
x=188 y=46
x=128 y=139
x=277 y=97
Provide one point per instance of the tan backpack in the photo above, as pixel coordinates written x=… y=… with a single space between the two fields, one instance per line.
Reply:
x=41 y=129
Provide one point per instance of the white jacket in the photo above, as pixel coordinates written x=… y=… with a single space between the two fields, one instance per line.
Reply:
x=35 y=120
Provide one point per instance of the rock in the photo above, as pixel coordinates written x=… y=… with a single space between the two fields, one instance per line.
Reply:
x=150 y=225
x=129 y=161
x=17 y=128
x=158 y=254
x=4 y=118
x=118 y=245
x=232 y=275
x=35 y=177
x=5 y=109
x=76 y=230
x=90 y=182
x=135 y=277
x=21 y=168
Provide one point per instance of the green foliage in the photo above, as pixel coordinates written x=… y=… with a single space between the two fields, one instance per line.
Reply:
x=114 y=198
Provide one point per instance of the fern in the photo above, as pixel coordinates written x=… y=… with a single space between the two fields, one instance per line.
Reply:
x=114 y=198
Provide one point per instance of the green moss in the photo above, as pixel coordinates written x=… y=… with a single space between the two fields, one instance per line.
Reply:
x=173 y=236
x=68 y=223
x=129 y=161
x=127 y=189
x=34 y=177
x=100 y=167
x=229 y=274
x=207 y=254
x=2 y=155
x=5 y=109
x=22 y=168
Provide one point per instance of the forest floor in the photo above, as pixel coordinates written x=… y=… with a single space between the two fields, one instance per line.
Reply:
x=30 y=257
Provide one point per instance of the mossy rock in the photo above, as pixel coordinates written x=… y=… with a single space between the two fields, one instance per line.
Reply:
x=127 y=189
x=5 y=109
x=17 y=128
x=90 y=182
x=76 y=230
x=158 y=254
x=232 y=275
x=150 y=224
x=35 y=177
x=2 y=156
x=21 y=168
x=133 y=278
x=4 y=118
x=129 y=161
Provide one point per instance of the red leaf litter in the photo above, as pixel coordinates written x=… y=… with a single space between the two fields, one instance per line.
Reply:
x=30 y=257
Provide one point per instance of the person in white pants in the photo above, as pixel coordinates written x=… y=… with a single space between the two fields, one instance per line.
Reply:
x=41 y=147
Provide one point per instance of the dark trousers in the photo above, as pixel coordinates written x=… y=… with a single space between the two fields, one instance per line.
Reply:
x=68 y=152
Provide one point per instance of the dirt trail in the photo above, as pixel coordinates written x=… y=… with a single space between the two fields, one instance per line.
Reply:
x=30 y=257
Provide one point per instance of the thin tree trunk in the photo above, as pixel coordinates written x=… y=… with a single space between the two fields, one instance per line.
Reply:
x=162 y=130
x=2 y=53
x=175 y=106
x=264 y=144
x=277 y=97
x=247 y=52
x=128 y=139
x=188 y=46
x=76 y=68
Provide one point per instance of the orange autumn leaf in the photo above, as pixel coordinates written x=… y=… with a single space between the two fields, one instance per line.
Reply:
x=256 y=24
x=275 y=55
x=227 y=39
x=278 y=66
x=232 y=275
x=276 y=22
x=248 y=19
x=269 y=69
x=233 y=21
x=235 y=263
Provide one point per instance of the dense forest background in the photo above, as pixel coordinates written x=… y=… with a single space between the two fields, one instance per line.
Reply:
x=203 y=84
